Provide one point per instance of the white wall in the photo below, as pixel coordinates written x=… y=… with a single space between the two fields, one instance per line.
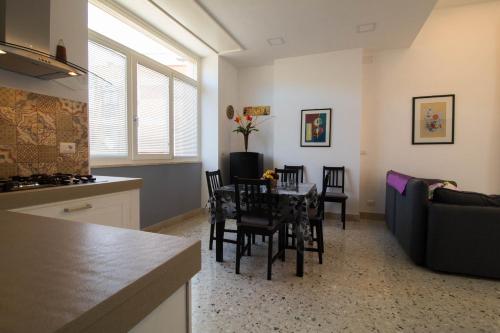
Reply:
x=209 y=120
x=68 y=21
x=228 y=95
x=256 y=87
x=457 y=52
x=327 y=80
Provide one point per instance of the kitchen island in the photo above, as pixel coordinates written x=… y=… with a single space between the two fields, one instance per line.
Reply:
x=80 y=277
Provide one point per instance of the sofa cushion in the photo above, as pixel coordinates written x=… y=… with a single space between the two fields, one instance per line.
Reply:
x=446 y=196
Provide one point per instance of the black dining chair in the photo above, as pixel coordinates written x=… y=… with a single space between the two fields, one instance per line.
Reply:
x=214 y=181
x=254 y=215
x=287 y=176
x=299 y=168
x=316 y=224
x=336 y=183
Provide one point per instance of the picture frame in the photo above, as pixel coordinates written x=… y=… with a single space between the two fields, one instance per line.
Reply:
x=315 y=127
x=433 y=120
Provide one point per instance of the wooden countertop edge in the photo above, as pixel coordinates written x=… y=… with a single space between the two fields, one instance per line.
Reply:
x=122 y=311
x=13 y=200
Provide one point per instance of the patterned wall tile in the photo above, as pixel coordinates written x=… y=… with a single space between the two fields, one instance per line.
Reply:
x=48 y=104
x=65 y=136
x=26 y=100
x=8 y=170
x=8 y=154
x=47 y=137
x=48 y=154
x=47 y=168
x=47 y=120
x=8 y=165
x=27 y=169
x=27 y=153
x=64 y=121
x=27 y=136
x=7 y=97
x=7 y=135
x=32 y=126
x=7 y=116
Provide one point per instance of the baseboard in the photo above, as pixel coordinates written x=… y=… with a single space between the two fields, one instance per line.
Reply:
x=336 y=216
x=372 y=216
x=174 y=220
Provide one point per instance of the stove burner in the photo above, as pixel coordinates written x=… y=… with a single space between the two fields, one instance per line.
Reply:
x=36 y=181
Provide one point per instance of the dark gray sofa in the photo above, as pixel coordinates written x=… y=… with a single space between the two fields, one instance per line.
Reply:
x=444 y=237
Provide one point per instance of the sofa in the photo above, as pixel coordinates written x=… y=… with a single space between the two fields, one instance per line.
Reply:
x=455 y=232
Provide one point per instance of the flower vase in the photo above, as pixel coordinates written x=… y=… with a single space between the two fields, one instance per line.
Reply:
x=245 y=137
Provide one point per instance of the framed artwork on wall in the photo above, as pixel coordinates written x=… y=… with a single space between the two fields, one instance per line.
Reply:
x=433 y=120
x=315 y=127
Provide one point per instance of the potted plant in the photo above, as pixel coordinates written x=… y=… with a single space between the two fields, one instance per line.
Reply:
x=246 y=125
x=272 y=176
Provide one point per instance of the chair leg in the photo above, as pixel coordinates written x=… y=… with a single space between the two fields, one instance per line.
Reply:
x=212 y=230
x=270 y=257
x=319 y=232
x=249 y=236
x=253 y=238
x=283 y=241
x=238 y=250
x=343 y=214
x=263 y=239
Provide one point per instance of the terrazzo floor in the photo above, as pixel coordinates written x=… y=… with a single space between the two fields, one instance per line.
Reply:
x=366 y=284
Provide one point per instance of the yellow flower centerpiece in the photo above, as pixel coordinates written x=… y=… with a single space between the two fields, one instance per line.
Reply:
x=272 y=176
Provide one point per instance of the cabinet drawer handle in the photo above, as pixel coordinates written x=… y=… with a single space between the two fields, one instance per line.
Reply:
x=76 y=209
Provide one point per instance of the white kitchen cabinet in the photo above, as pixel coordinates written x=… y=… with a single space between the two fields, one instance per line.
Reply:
x=120 y=209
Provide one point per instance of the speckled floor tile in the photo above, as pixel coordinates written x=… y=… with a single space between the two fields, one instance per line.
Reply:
x=366 y=284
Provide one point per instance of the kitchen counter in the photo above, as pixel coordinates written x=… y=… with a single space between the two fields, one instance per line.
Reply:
x=103 y=185
x=77 y=277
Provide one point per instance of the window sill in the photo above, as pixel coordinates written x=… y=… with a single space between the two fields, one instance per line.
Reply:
x=118 y=164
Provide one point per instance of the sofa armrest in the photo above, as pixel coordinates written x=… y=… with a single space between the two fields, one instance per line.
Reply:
x=464 y=239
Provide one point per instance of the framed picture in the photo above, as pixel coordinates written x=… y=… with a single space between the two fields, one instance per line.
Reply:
x=315 y=127
x=433 y=120
x=263 y=110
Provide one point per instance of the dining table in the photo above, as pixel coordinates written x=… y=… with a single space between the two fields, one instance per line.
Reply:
x=293 y=205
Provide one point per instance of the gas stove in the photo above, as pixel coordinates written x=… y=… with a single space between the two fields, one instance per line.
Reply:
x=19 y=183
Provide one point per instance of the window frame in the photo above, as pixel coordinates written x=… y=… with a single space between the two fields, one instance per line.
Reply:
x=134 y=58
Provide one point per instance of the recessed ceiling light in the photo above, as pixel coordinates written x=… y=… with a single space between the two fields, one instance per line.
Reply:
x=276 y=41
x=3 y=52
x=71 y=73
x=367 y=27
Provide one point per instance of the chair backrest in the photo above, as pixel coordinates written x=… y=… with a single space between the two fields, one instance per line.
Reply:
x=214 y=181
x=287 y=176
x=336 y=179
x=299 y=168
x=321 y=202
x=253 y=197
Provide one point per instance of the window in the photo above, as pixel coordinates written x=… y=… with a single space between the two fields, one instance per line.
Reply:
x=107 y=102
x=152 y=112
x=143 y=102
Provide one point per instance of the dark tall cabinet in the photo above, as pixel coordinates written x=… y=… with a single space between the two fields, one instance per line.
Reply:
x=246 y=165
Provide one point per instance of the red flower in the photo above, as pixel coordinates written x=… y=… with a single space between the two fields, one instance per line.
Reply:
x=249 y=118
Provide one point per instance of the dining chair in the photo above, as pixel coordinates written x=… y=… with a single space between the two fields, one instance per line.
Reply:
x=287 y=177
x=299 y=168
x=336 y=183
x=214 y=181
x=254 y=215
x=316 y=224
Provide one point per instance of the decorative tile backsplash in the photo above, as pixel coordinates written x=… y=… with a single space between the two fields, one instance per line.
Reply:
x=31 y=128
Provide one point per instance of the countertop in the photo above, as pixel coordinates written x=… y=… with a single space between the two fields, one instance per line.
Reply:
x=103 y=185
x=74 y=277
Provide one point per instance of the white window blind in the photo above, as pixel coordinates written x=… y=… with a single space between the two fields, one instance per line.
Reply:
x=152 y=112
x=108 y=133
x=185 y=119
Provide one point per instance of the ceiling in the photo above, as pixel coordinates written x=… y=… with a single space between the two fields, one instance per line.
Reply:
x=315 y=26
x=453 y=3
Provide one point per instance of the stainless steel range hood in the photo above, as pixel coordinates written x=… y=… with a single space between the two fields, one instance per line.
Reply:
x=25 y=40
